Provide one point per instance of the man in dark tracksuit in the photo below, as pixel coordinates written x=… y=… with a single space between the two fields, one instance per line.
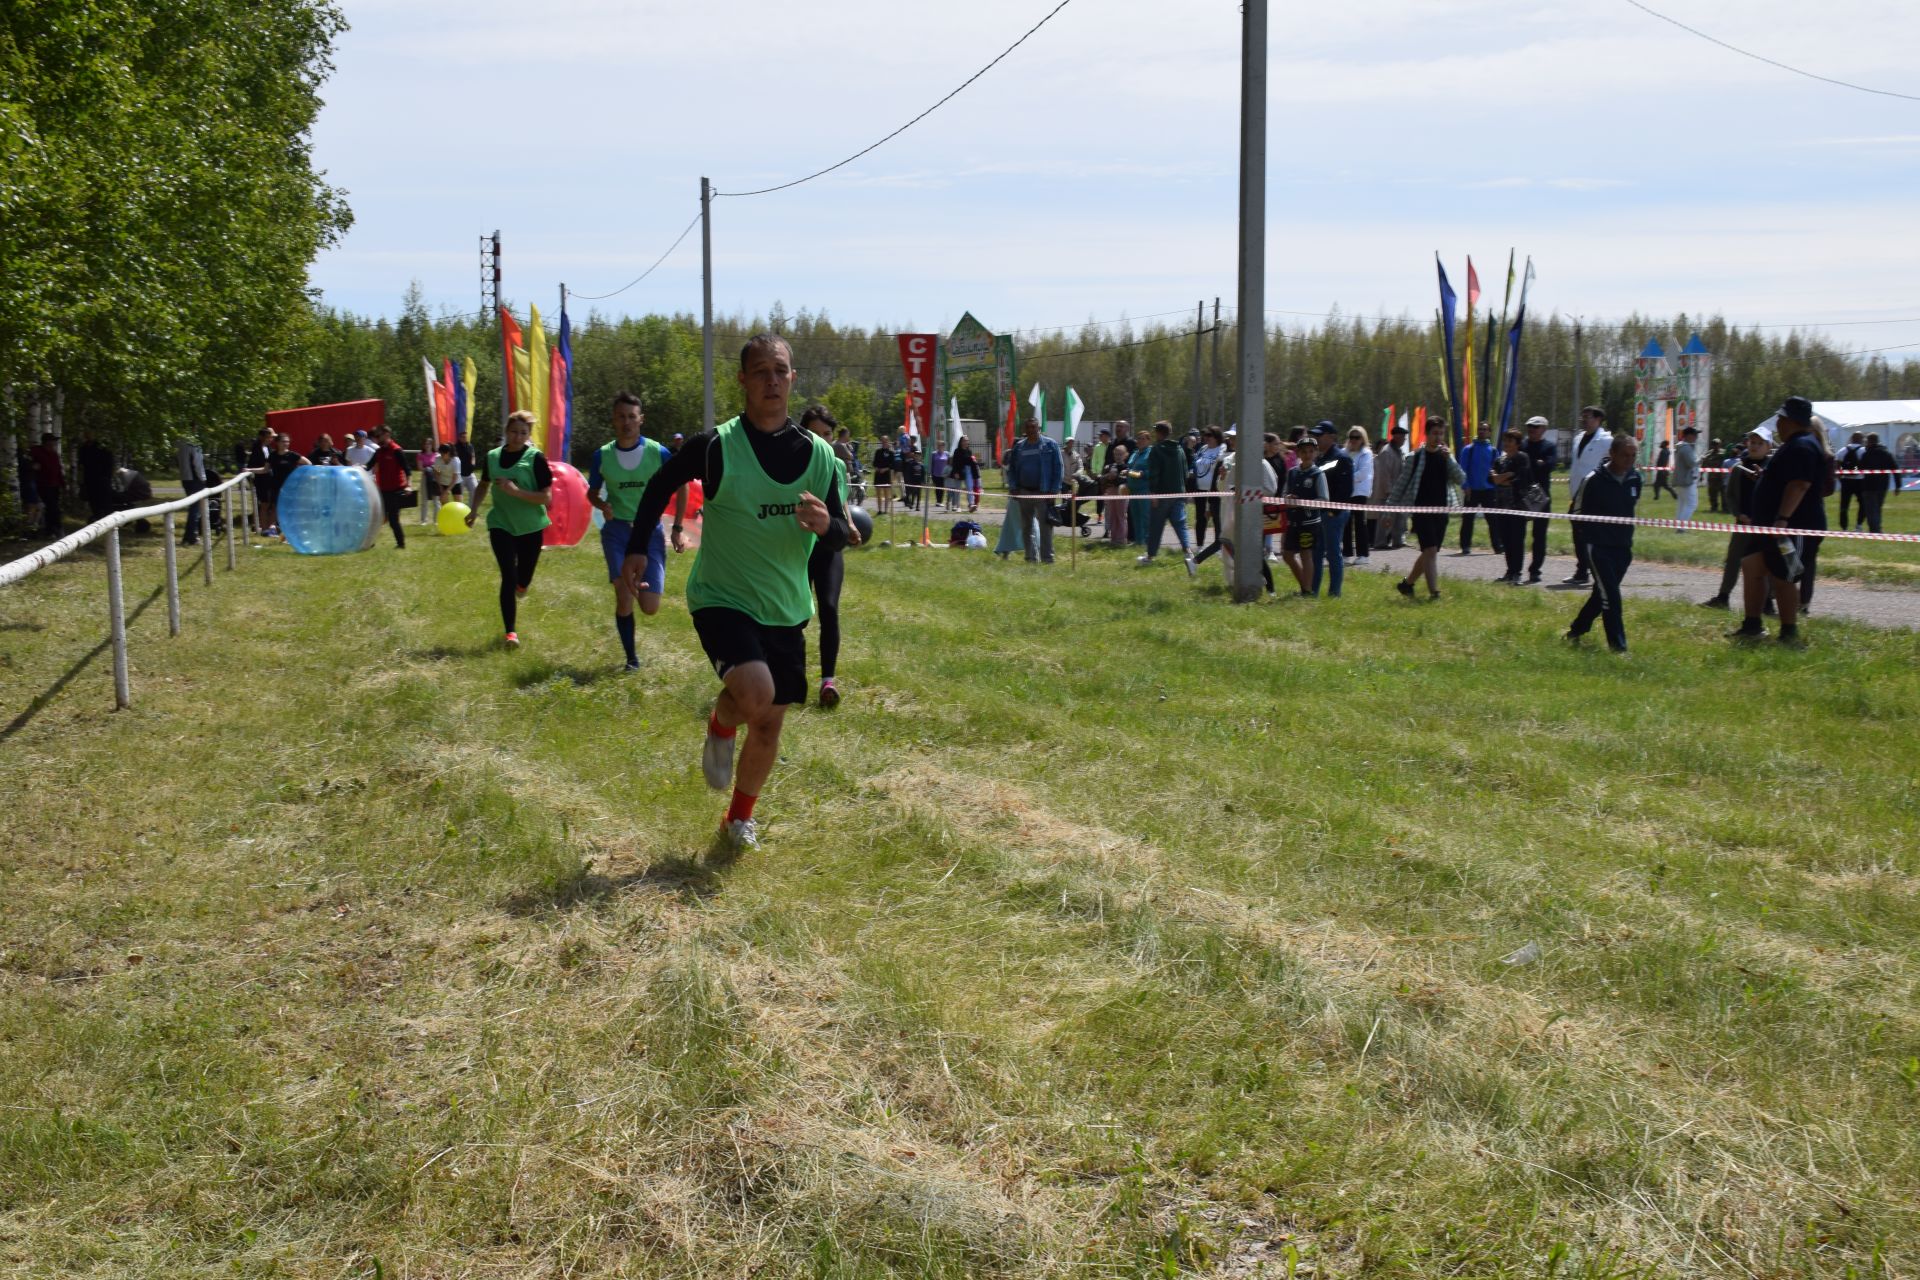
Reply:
x=1613 y=490
x=1542 y=455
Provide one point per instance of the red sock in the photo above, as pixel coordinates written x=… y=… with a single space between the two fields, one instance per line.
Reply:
x=742 y=806
x=717 y=729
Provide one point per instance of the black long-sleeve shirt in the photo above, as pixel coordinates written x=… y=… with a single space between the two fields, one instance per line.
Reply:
x=783 y=454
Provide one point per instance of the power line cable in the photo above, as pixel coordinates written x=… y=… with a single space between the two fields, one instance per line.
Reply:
x=1772 y=62
x=909 y=124
x=602 y=297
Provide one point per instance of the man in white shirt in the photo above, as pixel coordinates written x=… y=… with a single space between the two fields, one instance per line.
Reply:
x=360 y=452
x=1591 y=444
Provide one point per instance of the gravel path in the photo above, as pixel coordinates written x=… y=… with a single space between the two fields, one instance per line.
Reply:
x=1875 y=606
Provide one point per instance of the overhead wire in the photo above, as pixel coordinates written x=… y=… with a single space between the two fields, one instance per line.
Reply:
x=602 y=297
x=820 y=173
x=1772 y=62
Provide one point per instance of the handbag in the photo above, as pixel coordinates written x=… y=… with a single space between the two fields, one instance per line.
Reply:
x=1535 y=498
x=406 y=498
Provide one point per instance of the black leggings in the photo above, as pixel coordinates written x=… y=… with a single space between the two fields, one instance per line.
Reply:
x=827 y=570
x=517 y=556
x=1205 y=509
x=390 y=500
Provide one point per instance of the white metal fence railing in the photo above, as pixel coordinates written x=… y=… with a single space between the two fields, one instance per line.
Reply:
x=109 y=528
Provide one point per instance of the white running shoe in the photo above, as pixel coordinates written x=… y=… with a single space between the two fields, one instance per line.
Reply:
x=742 y=833
x=1192 y=568
x=716 y=761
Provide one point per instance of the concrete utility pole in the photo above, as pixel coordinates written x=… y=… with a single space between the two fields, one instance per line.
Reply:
x=1199 y=327
x=1252 y=344
x=706 y=299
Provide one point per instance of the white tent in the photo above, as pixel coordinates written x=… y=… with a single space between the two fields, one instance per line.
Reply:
x=1891 y=420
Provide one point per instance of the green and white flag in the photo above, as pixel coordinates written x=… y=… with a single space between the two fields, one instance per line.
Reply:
x=1075 y=411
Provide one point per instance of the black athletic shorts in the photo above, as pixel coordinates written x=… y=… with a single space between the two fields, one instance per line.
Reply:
x=733 y=639
x=1767 y=547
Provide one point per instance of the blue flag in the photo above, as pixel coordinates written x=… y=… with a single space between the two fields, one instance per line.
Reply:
x=459 y=402
x=1447 y=301
x=1513 y=350
x=564 y=393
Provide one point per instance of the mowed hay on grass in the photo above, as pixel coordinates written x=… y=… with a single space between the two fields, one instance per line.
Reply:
x=1105 y=929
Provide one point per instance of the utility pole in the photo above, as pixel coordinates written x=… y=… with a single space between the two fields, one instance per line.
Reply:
x=1199 y=327
x=706 y=301
x=506 y=357
x=1213 y=374
x=1252 y=343
x=1574 y=413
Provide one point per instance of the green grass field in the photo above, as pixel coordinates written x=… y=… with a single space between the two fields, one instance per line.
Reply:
x=1106 y=930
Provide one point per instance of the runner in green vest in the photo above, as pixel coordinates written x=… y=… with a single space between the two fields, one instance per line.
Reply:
x=616 y=478
x=517 y=522
x=772 y=492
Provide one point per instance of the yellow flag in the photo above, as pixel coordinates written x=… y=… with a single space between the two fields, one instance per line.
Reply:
x=539 y=375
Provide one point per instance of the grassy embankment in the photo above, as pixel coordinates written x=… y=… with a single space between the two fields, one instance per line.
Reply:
x=1105 y=930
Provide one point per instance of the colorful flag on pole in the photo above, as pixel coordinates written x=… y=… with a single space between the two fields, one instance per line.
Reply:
x=463 y=428
x=1013 y=419
x=560 y=394
x=1448 y=299
x=1386 y=425
x=1513 y=349
x=1418 y=438
x=1470 y=401
x=1075 y=412
x=539 y=378
x=513 y=367
x=433 y=397
x=953 y=412
x=449 y=404
x=1038 y=399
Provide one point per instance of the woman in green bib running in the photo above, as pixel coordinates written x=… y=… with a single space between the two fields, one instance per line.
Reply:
x=772 y=492
x=522 y=486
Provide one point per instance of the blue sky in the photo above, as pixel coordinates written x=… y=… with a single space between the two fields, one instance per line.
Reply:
x=1093 y=173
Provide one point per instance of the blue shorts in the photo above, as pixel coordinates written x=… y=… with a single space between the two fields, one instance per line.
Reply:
x=613 y=543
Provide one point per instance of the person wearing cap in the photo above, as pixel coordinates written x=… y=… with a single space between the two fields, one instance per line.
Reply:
x=1390 y=529
x=1787 y=497
x=1476 y=460
x=674 y=444
x=1336 y=469
x=1591 y=448
x=1432 y=479
x=1543 y=455
x=360 y=452
x=1742 y=470
x=1848 y=459
x=1716 y=477
x=1686 y=474
x=1611 y=490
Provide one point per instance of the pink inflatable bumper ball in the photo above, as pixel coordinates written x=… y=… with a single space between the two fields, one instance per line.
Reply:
x=569 y=510
x=696 y=495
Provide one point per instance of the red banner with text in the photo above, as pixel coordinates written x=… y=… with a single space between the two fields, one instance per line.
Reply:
x=917 y=352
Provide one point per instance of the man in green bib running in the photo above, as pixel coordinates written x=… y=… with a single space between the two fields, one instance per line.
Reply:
x=748 y=590
x=616 y=478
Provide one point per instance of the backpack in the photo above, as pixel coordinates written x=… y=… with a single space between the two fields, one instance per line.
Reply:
x=1831 y=480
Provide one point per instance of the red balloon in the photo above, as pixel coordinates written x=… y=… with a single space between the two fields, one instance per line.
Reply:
x=569 y=510
x=696 y=498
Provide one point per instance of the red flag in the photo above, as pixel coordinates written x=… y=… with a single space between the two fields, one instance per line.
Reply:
x=443 y=404
x=1013 y=419
x=916 y=360
x=510 y=342
x=1473 y=286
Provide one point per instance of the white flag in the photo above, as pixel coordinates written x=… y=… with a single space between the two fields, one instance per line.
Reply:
x=1038 y=399
x=433 y=401
x=954 y=409
x=1075 y=412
